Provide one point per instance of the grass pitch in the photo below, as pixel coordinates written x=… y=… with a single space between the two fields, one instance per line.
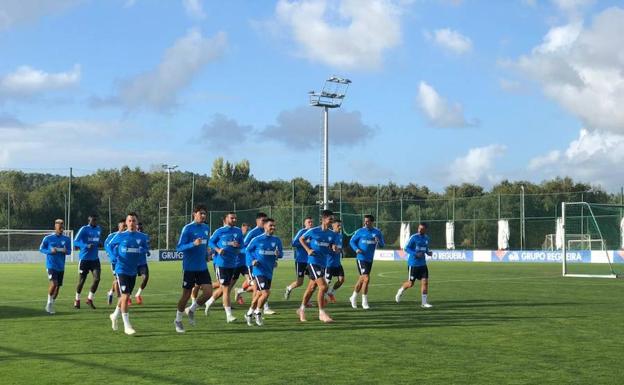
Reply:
x=492 y=323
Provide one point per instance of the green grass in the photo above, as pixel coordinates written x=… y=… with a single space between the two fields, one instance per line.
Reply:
x=492 y=323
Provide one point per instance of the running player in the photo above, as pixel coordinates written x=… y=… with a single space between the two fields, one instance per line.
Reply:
x=301 y=257
x=264 y=250
x=242 y=270
x=364 y=242
x=317 y=242
x=226 y=242
x=334 y=263
x=121 y=226
x=142 y=271
x=88 y=240
x=128 y=246
x=193 y=244
x=56 y=247
x=417 y=248
x=256 y=231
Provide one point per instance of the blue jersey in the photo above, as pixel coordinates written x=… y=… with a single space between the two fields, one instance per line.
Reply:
x=263 y=250
x=256 y=231
x=194 y=257
x=417 y=248
x=320 y=241
x=88 y=240
x=334 y=257
x=367 y=240
x=225 y=238
x=130 y=247
x=301 y=256
x=55 y=247
x=111 y=253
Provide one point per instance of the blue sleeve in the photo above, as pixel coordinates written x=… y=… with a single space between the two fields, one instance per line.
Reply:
x=147 y=245
x=382 y=242
x=248 y=237
x=44 y=248
x=280 y=248
x=214 y=240
x=112 y=245
x=354 y=240
x=409 y=248
x=249 y=250
x=78 y=241
x=295 y=241
x=68 y=249
x=185 y=242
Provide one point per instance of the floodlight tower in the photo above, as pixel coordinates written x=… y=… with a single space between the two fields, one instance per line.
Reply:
x=332 y=95
x=169 y=168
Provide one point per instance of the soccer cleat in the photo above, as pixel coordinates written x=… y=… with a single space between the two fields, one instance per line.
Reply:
x=301 y=315
x=109 y=299
x=287 y=293
x=207 y=310
x=325 y=318
x=353 y=301
x=113 y=321
x=426 y=306
x=77 y=304
x=365 y=306
x=230 y=318
x=139 y=299
x=49 y=308
x=129 y=330
x=248 y=319
x=269 y=311
x=191 y=315
x=239 y=299
x=90 y=303
x=259 y=320
x=178 y=326
x=332 y=298
x=397 y=297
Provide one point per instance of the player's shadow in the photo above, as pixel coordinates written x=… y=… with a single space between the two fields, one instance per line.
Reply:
x=15 y=312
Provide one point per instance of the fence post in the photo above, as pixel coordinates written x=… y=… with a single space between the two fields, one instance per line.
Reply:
x=292 y=211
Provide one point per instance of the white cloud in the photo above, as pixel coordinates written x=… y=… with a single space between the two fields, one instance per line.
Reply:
x=224 y=133
x=26 y=81
x=14 y=12
x=477 y=166
x=194 y=9
x=367 y=171
x=572 y=6
x=595 y=157
x=350 y=34
x=450 y=40
x=158 y=89
x=438 y=111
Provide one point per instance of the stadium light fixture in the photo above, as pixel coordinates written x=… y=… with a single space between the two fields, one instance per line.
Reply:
x=331 y=96
x=169 y=168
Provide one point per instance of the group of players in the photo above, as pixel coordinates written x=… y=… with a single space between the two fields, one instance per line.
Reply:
x=235 y=252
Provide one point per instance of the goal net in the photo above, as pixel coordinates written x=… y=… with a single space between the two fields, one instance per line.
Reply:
x=27 y=242
x=593 y=240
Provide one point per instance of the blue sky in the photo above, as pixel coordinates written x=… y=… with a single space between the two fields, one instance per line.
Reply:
x=444 y=91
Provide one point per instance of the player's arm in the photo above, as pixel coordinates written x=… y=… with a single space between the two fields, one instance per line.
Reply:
x=354 y=242
x=303 y=242
x=185 y=242
x=250 y=252
x=44 y=248
x=429 y=252
x=112 y=246
x=214 y=242
x=79 y=241
x=380 y=239
x=280 y=249
x=410 y=248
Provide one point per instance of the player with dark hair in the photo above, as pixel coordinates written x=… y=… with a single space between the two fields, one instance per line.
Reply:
x=301 y=257
x=242 y=270
x=121 y=226
x=417 y=248
x=142 y=271
x=256 y=231
x=193 y=244
x=364 y=242
x=334 y=263
x=56 y=247
x=88 y=240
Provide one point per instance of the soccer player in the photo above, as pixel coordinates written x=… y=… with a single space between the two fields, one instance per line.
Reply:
x=256 y=231
x=121 y=226
x=128 y=246
x=242 y=270
x=301 y=257
x=417 y=248
x=317 y=242
x=142 y=271
x=264 y=250
x=193 y=244
x=56 y=247
x=334 y=263
x=364 y=242
x=88 y=240
x=226 y=242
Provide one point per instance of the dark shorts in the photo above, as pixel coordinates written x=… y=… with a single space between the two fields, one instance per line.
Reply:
x=225 y=275
x=301 y=268
x=126 y=283
x=262 y=282
x=334 y=271
x=240 y=270
x=192 y=278
x=364 y=267
x=316 y=271
x=86 y=266
x=143 y=270
x=417 y=273
x=56 y=275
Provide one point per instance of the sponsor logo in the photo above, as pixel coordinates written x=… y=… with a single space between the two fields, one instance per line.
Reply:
x=170 y=255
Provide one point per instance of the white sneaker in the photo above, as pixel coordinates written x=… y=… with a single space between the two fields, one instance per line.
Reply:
x=426 y=305
x=365 y=306
x=49 y=308
x=397 y=297
x=179 y=327
x=353 y=301
x=191 y=315
x=113 y=321
x=269 y=311
x=207 y=310
x=129 y=330
x=230 y=318
x=248 y=319
x=259 y=320
x=287 y=293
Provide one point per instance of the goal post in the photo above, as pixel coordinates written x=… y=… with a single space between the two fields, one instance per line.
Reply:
x=592 y=236
x=28 y=240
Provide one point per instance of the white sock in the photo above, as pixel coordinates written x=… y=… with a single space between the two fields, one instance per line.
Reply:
x=266 y=306
x=401 y=290
x=424 y=299
x=77 y=296
x=250 y=311
x=209 y=302
x=289 y=288
x=302 y=307
x=179 y=315
x=116 y=312
x=110 y=292
x=331 y=291
x=321 y=311
x=193 y=306
x=239 y=291
x=257 y=312
x=126 y=319
x=50 y=299
x=228 y=310
x=354 y=295
x=90 y=296
x=365 y=298
x=138 y=293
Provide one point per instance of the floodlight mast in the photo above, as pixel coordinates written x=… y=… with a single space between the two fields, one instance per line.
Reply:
x=331 y=96
x=169 y=168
